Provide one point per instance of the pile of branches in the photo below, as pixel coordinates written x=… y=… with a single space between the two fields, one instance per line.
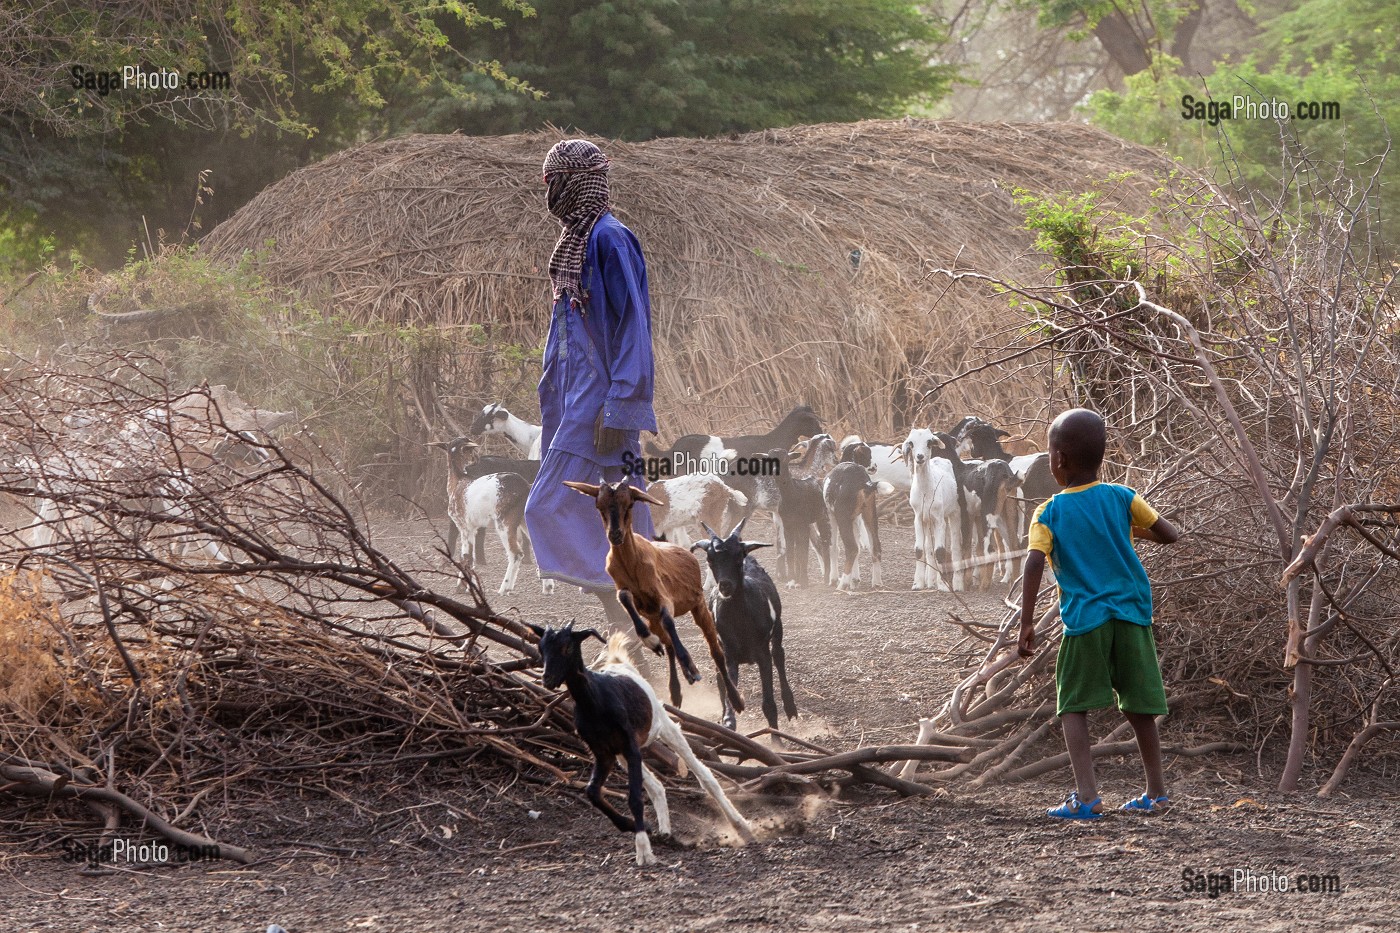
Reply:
x=1250 y=375
x=192 y=610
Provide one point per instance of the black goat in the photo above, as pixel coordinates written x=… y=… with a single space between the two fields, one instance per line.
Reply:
x=749 y=616
x=617 y=714
x=981 y=440
x=849 y=493
x=803 y=512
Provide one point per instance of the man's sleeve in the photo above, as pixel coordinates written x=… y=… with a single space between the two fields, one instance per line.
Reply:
x=1040 y=537
x=631 y=367
x=1144 y=515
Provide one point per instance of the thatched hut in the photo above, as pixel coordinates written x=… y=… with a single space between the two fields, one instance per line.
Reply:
x=786 y=266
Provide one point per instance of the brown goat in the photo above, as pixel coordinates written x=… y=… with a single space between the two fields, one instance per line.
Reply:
x=656 y=582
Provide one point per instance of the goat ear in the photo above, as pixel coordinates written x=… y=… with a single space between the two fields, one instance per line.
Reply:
x=754 y=546
x=1001 y=433
x=643 y=496
x=584 y=634
x=700 y=544
x=587 y=489
x=539 y=630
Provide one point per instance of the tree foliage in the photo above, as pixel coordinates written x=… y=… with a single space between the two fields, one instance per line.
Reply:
x=357 y=47
x=1322 y=51
x=639 y=69
x=99 y=173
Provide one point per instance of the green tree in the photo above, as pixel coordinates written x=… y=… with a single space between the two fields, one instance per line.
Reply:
x=639 y=69
x=1342 y=51
x=98 y=168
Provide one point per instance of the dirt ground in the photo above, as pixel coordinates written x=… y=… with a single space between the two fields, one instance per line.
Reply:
x=447 y=854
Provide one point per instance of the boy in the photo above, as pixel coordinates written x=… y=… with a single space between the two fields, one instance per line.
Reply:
x=1106 y=606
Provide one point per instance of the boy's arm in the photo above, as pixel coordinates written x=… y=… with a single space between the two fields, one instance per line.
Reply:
x=1161 y=531
x=1150 y=525
x=1030 y=589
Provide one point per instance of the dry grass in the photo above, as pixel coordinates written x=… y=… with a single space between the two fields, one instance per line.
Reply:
x=757 y=302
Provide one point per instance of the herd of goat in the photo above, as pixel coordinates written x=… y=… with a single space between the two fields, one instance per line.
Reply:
x=971 y=499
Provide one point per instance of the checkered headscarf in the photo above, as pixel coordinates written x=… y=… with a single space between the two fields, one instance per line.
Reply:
x=577 y=173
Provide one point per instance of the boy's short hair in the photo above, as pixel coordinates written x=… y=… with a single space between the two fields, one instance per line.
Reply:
x=1082 y=436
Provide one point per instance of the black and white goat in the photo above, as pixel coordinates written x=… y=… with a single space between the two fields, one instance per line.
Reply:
x=496 y=500
x=884 y=461
x=494 y=419
x=850 y=496
x=802 y=421
x=989 y=486
x=982 y=440
x=689 y=502
x=749 y=616
x=617 y=714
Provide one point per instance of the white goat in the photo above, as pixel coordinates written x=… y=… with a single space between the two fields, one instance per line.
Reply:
x=933 y=494
x=494 y=419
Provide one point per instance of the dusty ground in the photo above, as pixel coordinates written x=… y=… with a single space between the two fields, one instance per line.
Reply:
x=446 y=854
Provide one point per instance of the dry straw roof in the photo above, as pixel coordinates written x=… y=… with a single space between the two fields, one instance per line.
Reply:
x=759 y=299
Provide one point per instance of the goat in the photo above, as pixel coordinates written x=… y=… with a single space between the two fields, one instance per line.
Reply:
x=749 y=616
x=468 y=466
x=988 y=485
x=802 y=509
x=814 y=457
x=802 y=421
x=685 y=503
x=494 y=419
x=979 y=439
x=849 y=493
x=885 y=462
x=473 y=505
x=617 y=715
x=656 y=581
x=938 y=501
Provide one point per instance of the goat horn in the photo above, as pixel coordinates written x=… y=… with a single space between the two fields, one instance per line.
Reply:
x=739 y=528
x=708 y=530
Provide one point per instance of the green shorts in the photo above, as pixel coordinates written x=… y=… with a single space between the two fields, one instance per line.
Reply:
x=1117 y=658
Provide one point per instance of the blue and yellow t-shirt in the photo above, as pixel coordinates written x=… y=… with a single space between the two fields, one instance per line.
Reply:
x=1087 y=532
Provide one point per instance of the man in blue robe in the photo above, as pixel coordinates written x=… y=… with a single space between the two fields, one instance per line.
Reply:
x=596 y=390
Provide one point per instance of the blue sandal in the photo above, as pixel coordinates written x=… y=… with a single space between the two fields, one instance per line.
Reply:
x=1074 y=809
x=1147 y=804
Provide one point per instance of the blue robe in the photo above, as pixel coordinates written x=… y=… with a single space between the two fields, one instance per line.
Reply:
x=596 y=357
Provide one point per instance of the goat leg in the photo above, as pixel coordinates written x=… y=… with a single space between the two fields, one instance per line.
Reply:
x=602 y=766
x=644 y=632
x=780 y=661
x=668 y=623
x=634 y=802
x=706 y=623
x=675 y=678
x=727 y=717
x=765 y=679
